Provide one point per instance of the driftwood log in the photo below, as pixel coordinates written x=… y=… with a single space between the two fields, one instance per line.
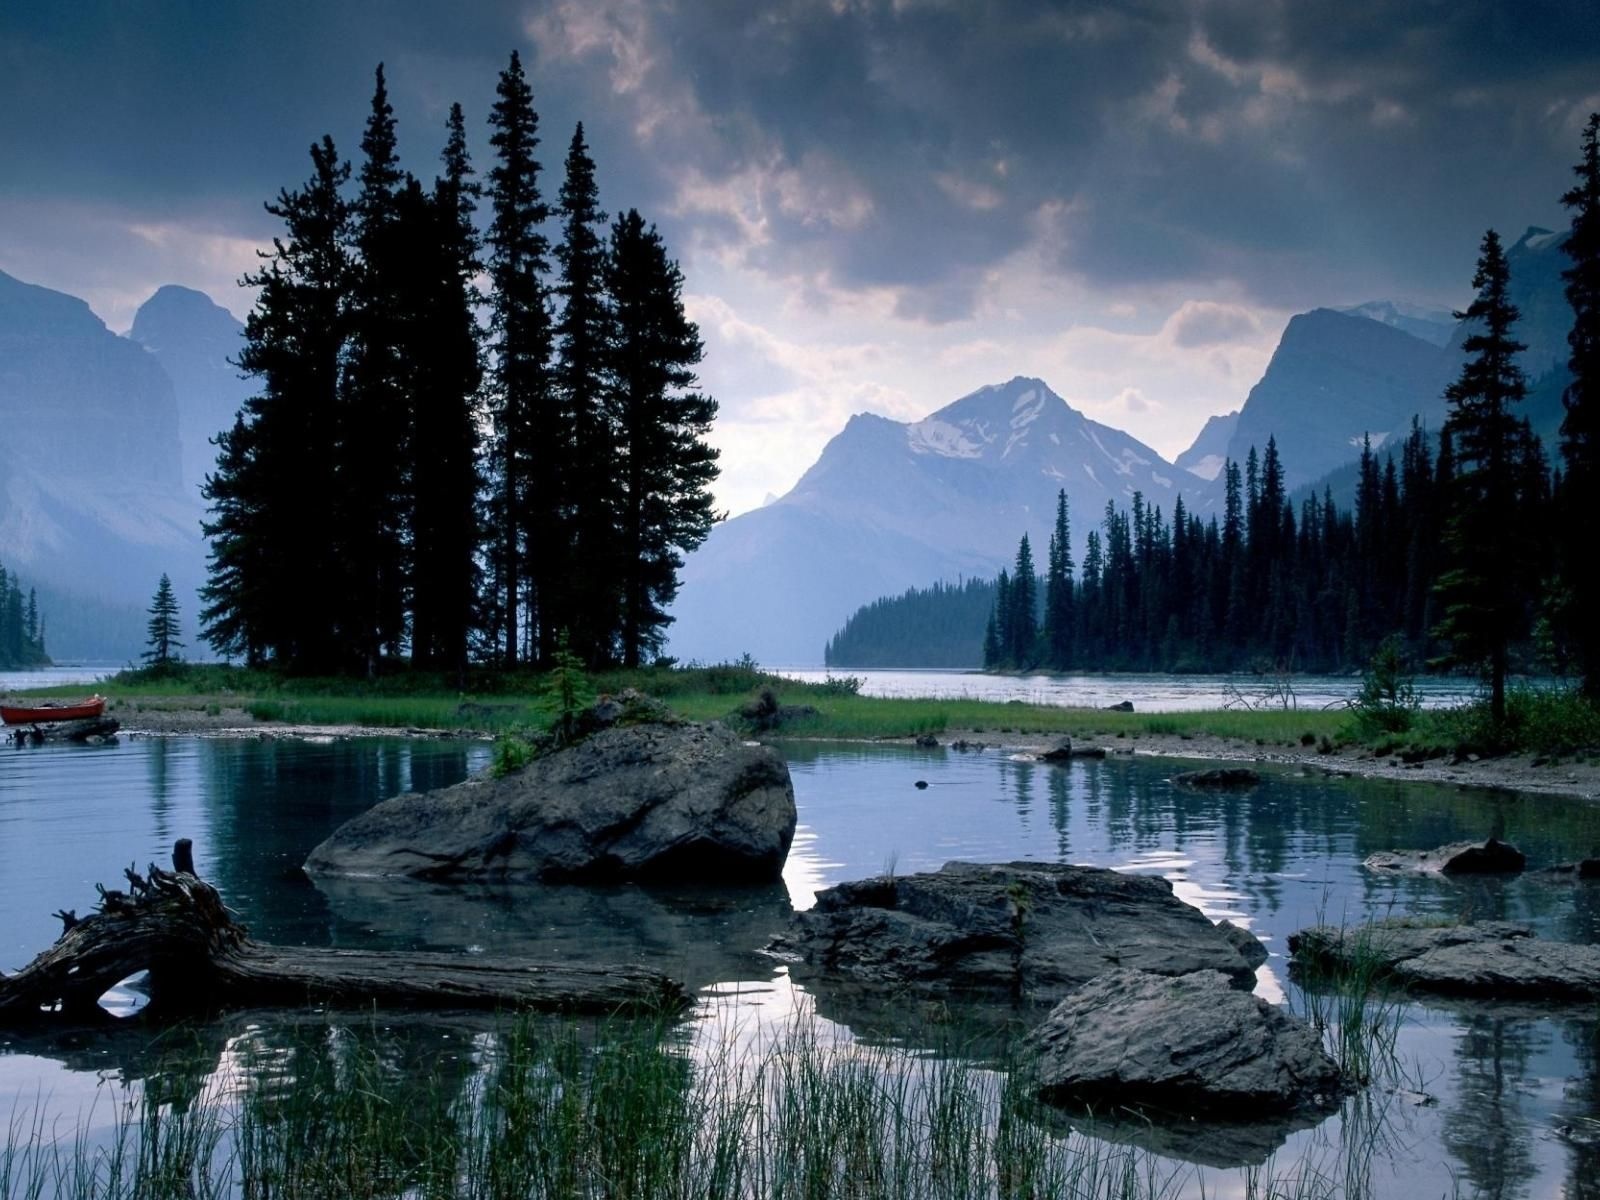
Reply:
x=173 y=925
x=65 y=731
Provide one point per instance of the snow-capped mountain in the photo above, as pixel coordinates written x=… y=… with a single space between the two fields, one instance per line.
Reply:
x=1433 y=325
x=891 y=505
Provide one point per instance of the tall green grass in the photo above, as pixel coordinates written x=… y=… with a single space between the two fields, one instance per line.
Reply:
x=559 y=1109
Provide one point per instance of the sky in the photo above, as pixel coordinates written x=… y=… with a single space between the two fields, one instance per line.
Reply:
x=878 y=205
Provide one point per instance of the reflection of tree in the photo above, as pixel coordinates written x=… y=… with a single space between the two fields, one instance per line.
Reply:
x=1016 y=778
x=272 y=801
x=1581 y=1112
x=1061 y=808
x=1485 y=1127
x=160 y=787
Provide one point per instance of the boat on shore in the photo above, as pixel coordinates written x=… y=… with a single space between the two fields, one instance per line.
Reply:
x=52 y=710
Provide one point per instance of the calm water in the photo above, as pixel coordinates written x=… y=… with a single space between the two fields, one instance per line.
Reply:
x=1148 y=692
x=1490 y=1101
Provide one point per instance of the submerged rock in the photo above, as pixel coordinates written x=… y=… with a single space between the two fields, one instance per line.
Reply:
x=1030 y=930
x=654 y=801
x=1492 y=857
x=1246 y=943
x=1219 y=777
x=1190 y=1041
x=1487 y=960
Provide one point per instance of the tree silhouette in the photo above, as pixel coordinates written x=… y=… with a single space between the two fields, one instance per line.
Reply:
x=164 y=628
x=1580 y=430
x=1485 y=588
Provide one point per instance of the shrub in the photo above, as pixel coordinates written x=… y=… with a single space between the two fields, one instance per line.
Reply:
x=1388 y=700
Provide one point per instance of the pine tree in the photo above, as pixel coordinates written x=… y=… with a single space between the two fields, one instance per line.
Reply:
x=1580 y=430
x=1060 y=619
x=660 y=422
x=1023 y=625
x=447 y=375
x=589 y=603
x=1484 y=588
x=164 y=628
x=277 y=465
x=370 y=506
x=522 y=444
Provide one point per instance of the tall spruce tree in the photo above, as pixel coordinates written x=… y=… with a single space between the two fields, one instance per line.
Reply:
x=660 y=423
x=1580 y=430
x=1059 y=616
x=589 y=604
x=523 y=446
x=1023 y=627
x=446 y=376
x=371 y=504
x=163 y=629
x=1485 y=587
x=277 y=466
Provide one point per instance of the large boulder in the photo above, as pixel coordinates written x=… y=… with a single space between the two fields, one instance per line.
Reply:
x=1492 y=960
x=1492 y=857
x=651 y=802
x=1191 y=1041
x=1029 y=930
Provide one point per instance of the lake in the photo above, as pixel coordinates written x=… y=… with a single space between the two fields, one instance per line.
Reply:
x=1481 y=1101
x=1147 y=692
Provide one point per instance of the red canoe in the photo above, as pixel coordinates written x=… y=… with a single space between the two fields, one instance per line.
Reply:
x=53 y=710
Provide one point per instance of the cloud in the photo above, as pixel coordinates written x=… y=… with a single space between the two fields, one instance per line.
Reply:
x=1202 y=323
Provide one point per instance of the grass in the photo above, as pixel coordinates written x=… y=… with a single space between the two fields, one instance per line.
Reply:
x=511 y=703
x=546 y=1108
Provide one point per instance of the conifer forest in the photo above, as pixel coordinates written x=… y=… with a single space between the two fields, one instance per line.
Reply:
x=477 y=433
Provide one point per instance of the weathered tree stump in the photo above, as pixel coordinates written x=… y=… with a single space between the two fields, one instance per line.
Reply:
x=173 y=925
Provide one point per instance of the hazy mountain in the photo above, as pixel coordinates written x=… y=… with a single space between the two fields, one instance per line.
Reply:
x=1333 y=379
x=1435 y=325
x=195 y=341
x=92 y=503
x=891 y=505
x=1207 y=454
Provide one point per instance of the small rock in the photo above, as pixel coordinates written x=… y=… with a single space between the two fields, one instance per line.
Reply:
x=1060 y=752
x=1494 y=960
x=1492 y=857
x=1219 y=777
x=1190 y=1041
x=1121 y=706
x=927 y=741
x=1246 y=943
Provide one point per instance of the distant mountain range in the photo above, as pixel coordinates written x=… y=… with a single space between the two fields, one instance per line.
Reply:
x=102 y=449
x=891 y=505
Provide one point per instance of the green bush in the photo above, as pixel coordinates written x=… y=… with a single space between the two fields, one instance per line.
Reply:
x=511 y=753
x=1388 y=700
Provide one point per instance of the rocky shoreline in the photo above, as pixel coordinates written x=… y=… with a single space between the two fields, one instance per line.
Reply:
x=173 y=717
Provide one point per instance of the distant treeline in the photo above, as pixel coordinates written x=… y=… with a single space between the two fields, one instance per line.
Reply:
x=21 y=626
x=1263 y=586
x=476 y=433
x=939 y=626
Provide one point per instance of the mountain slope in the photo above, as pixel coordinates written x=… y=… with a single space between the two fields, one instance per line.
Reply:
x=1206 y=454
x=1333 y=379
x=195 y=341
x=91 y=496
x=892 y=505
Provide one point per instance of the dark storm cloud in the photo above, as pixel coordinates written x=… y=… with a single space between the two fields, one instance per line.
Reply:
x=1307 y=151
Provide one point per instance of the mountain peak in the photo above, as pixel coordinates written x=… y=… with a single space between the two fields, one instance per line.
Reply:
x=175 y=311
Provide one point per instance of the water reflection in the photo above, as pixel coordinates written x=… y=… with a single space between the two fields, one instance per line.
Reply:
x=1518 y=1105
